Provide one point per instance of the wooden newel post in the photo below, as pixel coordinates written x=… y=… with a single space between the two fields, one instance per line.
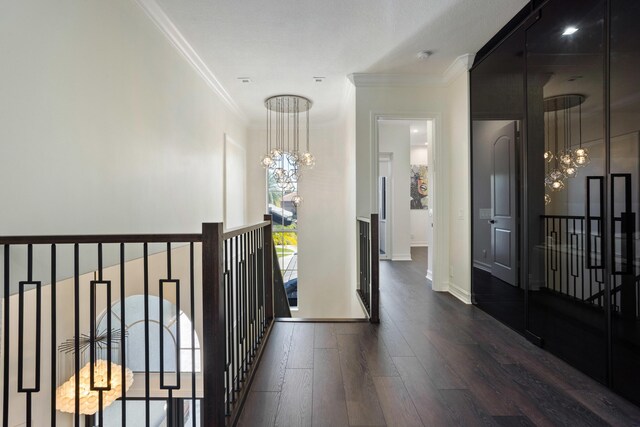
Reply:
x=214 y=347
x=268 y=269
x=375 y=270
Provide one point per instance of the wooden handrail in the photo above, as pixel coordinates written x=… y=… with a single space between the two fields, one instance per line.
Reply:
x=100 y=238
x=121 y=238
x=244 y=229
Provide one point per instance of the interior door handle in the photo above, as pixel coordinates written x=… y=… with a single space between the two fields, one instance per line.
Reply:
x=591 y=265
x=492 y=221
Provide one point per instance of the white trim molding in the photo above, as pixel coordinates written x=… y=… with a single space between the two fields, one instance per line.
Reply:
x=387 y=80
x=420 y=244
x=460 y=65
x=168 y=28
x=401 y=257
x=462 y=294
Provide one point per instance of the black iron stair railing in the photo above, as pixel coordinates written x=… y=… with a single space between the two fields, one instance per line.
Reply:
x=221 y=280
x=368 y=289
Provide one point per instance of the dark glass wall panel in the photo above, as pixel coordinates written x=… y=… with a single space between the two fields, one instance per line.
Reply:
x=565 y=113
x=497 y=102
x=625 y=165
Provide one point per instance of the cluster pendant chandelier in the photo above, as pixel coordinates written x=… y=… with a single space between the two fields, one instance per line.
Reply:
x=562 y=157
x=288 y=140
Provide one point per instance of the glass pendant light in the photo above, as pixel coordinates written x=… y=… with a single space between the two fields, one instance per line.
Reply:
x=548 y=156
x=285 y=129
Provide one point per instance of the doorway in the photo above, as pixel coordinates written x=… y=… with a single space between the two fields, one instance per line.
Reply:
x=405 y=186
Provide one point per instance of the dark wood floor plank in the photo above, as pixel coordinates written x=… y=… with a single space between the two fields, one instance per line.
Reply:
x=260 y=409
x=349 y=328
x=465 y=409
x=397 y=406
x=379 y=363
x=554 y=403
x=613 y=409
x=270 y=373
x=437 y=367
x=456 y=365
x=329 y=402
x=363 y=406
x=325 y=336
x=513 y=421
x=295 y=407
x=301 y=352
x=426 y=398
x=396 y=344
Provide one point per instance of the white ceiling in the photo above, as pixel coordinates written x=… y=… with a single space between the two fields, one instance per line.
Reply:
x=282 y=44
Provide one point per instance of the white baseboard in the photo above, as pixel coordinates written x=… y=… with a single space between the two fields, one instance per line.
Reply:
x=482 y=266
x=460 y=293
x=419 y=244
x=442 y=287
x=401 y=257
x=430 y=275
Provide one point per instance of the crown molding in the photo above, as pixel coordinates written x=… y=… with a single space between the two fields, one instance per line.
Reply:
x=382 y=80
x=168 y=28
x=459 y=66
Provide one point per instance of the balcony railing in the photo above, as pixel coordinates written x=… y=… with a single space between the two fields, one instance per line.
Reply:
x=368 y=266
x=573 y=258
x=94 y=325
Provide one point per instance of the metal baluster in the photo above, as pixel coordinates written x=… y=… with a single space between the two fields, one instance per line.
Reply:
x=123 y=329
x=193 y=333
x=7 y=331
x=52 y=419
x=147 y=386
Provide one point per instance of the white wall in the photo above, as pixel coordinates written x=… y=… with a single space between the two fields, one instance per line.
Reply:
x=407 y=102
x=394 y=138
x=460 y=226
x=419 y=219
x=448 y=104
x=326 y=218
x=235 y=184
x=104 y=127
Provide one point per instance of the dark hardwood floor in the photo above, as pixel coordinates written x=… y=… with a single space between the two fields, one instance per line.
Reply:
x=432 y=361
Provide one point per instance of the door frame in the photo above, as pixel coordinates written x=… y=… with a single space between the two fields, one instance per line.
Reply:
x=439 y=176
x=388 y=158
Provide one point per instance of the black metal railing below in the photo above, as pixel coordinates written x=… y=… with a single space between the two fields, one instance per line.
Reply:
x=368 y=266
x=134 y=319
x=573 y=264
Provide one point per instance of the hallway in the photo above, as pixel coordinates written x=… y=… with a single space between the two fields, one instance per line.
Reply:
x=432 y=361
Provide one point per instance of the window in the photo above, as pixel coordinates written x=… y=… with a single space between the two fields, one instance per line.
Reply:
x=282 y=193
x=135 y=347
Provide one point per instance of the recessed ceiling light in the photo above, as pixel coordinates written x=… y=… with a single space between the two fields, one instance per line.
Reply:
x=415 y=131
x=245 y=79
x=569 y=30
x=424 y=54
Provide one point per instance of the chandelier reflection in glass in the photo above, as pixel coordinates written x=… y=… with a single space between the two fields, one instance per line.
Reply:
x=562 y=156
x=288 y=140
